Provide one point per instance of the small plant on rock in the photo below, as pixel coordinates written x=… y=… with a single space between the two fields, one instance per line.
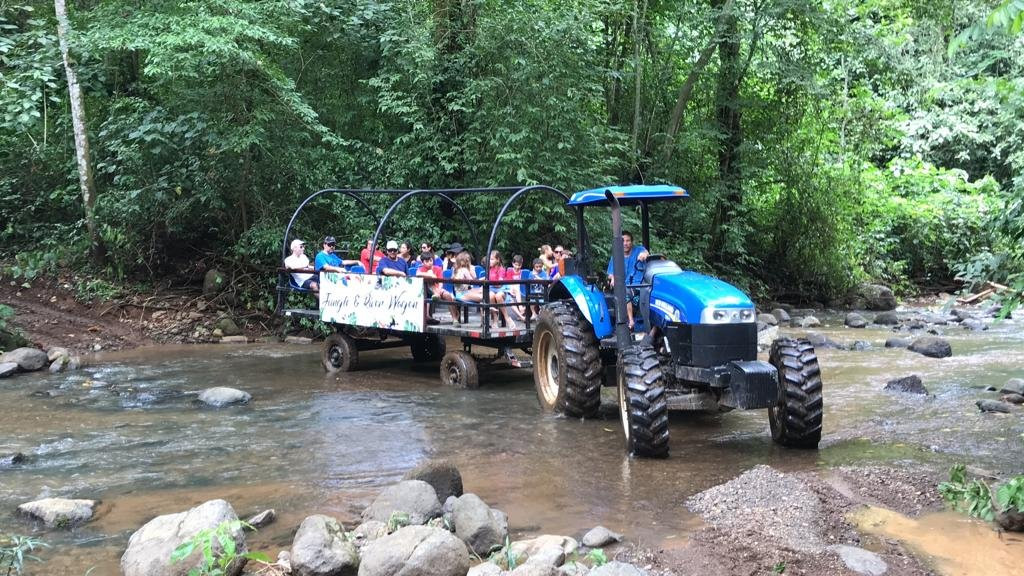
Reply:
x=972 y=497
x=1010 y=496
x=397 y=520
x=14 y=550
x=220 y=551
x=597 y=557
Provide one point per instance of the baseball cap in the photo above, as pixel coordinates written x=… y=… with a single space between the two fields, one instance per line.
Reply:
x=392 y=245
x=296 y=243
x=455 y=248
x=330 y=240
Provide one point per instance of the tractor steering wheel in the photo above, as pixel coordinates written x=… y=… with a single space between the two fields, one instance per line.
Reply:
x=640 y=266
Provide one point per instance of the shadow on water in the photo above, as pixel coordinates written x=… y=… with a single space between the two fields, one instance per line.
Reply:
x=129 y=431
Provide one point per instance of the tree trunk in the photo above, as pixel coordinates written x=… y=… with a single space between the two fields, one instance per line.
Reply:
x=727 y=114
x=85 y=178
x=686 y=90
x=638 y=17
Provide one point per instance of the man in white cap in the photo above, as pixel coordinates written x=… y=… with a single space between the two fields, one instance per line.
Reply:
x=391 y=264
x=299 y=261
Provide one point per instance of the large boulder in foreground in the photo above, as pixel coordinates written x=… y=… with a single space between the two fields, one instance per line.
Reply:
x=442 y=475
x=59 y=512
x=415 y=500
x=415 y=551
x=150 y=547
x=27 y=359
x=320 y=548
x=932 y=347
x=478 y=525
x=1013 y=386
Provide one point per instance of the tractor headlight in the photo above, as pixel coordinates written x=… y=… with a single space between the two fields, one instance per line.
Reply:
x=713 y=315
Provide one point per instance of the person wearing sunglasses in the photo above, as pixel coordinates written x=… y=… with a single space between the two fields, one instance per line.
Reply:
x=428 y=248
x=328 y=260
x=391 y=264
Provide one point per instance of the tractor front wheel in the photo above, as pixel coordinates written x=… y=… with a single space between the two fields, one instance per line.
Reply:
x=796 y=419
x=642 y=404
x=566 y=362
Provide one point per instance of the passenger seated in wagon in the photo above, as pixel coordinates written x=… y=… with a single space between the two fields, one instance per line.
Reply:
x=298 y=264
x=328 y=260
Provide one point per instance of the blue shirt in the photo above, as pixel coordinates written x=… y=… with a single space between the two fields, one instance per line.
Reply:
x=324 y=259
x=396 y=264
x=631 y=259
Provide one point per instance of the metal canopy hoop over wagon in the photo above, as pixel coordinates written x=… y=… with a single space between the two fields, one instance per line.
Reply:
x=370 y=312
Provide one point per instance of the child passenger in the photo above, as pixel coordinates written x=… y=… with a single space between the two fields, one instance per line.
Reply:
x=536 y=291
x=427 y=269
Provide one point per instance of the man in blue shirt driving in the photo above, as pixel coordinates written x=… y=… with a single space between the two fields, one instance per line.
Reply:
x=634 y=253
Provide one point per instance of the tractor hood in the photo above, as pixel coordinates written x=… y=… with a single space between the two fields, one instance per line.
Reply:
x=691 y=297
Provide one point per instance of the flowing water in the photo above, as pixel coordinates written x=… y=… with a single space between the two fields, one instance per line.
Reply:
x=127 y=430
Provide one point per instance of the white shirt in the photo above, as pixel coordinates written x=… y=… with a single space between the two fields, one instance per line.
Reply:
x=301 y=261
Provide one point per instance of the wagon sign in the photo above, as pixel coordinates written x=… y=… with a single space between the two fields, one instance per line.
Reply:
x=372 y=301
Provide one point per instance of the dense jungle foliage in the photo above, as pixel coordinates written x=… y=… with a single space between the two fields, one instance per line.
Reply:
x=824 y=143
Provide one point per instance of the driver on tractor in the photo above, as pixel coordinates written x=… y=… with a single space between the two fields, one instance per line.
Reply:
x=634 y=253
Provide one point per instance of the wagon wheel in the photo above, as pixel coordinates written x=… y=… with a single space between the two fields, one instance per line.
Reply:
x=458 y=370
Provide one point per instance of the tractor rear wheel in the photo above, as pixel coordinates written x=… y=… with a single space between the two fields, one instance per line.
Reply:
x=566 y=362
x=340 y=353
x=796 y=419
x=642 y=404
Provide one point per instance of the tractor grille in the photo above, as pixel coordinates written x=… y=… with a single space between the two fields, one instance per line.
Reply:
x=710 y=345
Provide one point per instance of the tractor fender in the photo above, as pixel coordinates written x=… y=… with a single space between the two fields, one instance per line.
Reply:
x=588 y=298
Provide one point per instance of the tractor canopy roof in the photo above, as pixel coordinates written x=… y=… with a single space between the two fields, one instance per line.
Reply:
x=629 y=195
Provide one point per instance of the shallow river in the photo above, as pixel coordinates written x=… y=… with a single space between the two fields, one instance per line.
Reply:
x=126 y=430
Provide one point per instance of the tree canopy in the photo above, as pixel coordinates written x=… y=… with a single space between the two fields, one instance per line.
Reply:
x=824 y=143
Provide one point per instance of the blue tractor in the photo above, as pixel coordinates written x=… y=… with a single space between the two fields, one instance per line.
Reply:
x=692 y=345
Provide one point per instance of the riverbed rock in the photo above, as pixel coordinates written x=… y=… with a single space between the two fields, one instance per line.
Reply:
x=234 y=340
x=1013 y=386
x=58 y=364
x=414 y=498
x=910 y=384
x=809 y=322
x=887 y=318
x=535 y=547
x=781 y=315
x=767 y=336
x=265 y=518
x=415 y=551
x=534 y=569
x=9 y=460
x=59 y=512
x=27 y=359
x=1012 y=398
x=993 y=406
x=1011 y=520
x=599 y=536
x=855 y=320
x=442 y=475
x=320 y=548
x=369 y=530
x=974 y=324
x=150 y=547
x=55 y=352
x=931 y=346
x=961 y=315
x=8 y=368
x=478 y=525
x=213 y=282
x=768 y=319
x=223 y=396
x=485 y=569
x=897 y=342
x=298 y=340
x=228 y=327
x=877 y=297
x=616 y=568
x=860 y=560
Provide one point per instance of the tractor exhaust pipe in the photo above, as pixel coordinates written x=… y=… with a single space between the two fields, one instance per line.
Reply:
x=622 y=337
